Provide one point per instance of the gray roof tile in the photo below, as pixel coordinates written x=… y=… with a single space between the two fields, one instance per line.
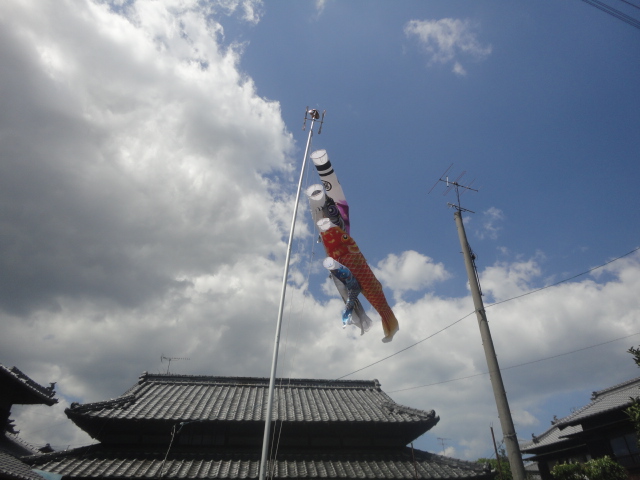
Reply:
x=552 y=436
x=13 y=468
x=206 y=398
x=604 y=401
x=99 y=462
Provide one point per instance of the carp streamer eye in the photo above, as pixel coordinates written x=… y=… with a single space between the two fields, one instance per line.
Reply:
x=332 y=211
x=345 y=237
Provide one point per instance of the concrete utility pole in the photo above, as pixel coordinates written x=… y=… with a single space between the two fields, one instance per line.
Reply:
x=506 y=422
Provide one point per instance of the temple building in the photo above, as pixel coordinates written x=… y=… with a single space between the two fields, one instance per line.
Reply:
x=192 y=427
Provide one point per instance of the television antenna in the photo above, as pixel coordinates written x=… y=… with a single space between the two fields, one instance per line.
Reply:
x=457 y=186
x=442 y=442
x=163 y=358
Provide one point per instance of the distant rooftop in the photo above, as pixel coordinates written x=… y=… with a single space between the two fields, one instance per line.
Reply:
x=604 y=401
x=553 y=436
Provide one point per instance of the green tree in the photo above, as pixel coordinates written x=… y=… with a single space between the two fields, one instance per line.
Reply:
x=500 y=465
x=597 y=469
x=568 y=471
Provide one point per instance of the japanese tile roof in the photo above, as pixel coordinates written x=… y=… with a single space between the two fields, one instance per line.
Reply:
x=101 y=462
x=244 y=399
x=16 y=446
x=553 y=436
x=13 y=468
x=18 y=388
x=605 y=401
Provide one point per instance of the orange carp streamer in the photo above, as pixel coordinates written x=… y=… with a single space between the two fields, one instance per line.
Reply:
x=342 y=248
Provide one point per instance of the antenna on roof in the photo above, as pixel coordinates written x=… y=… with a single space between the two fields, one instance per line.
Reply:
x=442 y=441
x=162 y=358
x=457 y=185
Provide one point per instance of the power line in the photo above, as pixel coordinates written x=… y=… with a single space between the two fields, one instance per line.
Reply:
x=492 y=305
x=565 y=280
x=614 y=12
x=406 y=348
x=518 y=365
x=629 y=3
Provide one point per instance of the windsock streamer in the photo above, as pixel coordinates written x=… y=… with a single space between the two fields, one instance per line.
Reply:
x=317 y=199
x=349 y=288
x=323 y=206
x=342 y=248
x=331 y=184
x=359 y=317
x=348 y=267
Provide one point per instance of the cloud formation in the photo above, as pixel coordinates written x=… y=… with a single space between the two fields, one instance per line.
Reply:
x=409 y=271
x=490 y=224
x=447 y=39
x=145 y=198
x=110 y=144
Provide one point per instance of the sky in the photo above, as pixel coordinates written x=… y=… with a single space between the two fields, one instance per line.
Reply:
x=150 y=153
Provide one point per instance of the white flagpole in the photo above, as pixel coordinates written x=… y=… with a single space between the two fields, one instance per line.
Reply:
x=313 y=115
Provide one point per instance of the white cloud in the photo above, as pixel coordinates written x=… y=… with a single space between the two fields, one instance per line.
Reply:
x=144 y=204
x=459 y=69
x=409 y=271
x=509 y=279
x=141 y=163
x=445 y=40
x=490 y=228
x=320 y=6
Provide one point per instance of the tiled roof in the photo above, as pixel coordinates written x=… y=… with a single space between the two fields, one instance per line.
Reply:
x=553 y=436
x=16 y=446
x=99 y=462
x=242 y=399
x=605 y=401
x=12 y=468
x=23 y=389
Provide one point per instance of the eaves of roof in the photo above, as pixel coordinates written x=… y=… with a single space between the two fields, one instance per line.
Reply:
x=113 y=464
x=29 y=391
x=14 y=445
x=552 y=439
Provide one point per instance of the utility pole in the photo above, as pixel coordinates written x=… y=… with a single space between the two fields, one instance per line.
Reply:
x=506 y=422
x=504 y=413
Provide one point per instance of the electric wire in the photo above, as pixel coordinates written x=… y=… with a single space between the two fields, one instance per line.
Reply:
x=565 y=280
x=614 y=12
x=492 y=305
x=406 y=348
x=173 y=434
x=518 y=365
x=629 y=3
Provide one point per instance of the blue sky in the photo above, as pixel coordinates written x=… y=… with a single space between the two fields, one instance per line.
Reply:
x=148 y=163
x=546 y=122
